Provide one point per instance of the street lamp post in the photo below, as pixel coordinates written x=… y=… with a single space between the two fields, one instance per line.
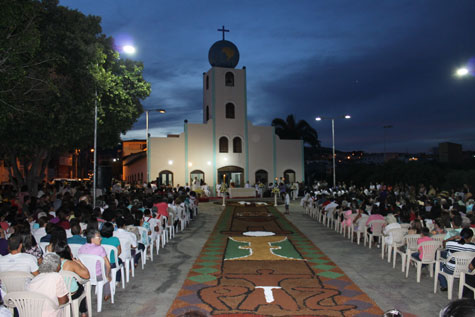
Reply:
x=128 y=49
x=147 y=136
x=333 y=140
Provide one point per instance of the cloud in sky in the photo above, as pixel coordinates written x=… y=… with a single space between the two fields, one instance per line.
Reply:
x=383 y=62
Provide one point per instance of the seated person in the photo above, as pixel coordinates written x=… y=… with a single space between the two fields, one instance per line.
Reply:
x=128 y=240
x=464 y=244
x=425 y=236
x=16 y=260
x=77 y=238
x=107 y=239
x=75 y=266
x=93 y=247
x=51 y=284
x=49 y=229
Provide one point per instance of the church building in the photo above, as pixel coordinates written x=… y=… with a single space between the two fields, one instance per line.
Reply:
x=226 y=146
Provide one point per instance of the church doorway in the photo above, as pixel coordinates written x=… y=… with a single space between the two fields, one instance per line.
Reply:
x=261 y=176
x=232 y=175
x=196 y=178
x=165 y=178
x=289 y=177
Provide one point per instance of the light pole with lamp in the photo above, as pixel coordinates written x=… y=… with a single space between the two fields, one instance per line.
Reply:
x=147 y=136
x=128 y=49
x=333 y=139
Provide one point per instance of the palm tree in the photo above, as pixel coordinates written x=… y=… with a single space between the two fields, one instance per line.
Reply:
x=290 y=130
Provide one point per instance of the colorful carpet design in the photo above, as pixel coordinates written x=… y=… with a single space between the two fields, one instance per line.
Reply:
x=279 y=272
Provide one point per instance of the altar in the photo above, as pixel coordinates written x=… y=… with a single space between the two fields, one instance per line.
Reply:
x=241 y=192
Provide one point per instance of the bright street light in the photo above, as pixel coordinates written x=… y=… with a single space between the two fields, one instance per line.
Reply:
x=147 y=137
x=333 y=139
x=462 y=71
x=129 y=49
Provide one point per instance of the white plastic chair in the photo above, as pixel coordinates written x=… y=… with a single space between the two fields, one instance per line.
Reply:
x=463 y=283
x=347 y=228
x=439 y=237
x=429 y=251
x=360 y=229
x=462 y=260
x=90 y=261
x=129 y=263
x=410 y=241
x=398 y=241
x=109 y=249
x=15 y=281
x=30 y=304
x=144 y=237
x=170 y=228
x=69 y=277
x=75 y=249
x=377 y=231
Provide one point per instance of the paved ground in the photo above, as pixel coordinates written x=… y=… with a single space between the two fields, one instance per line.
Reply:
x=152 y=290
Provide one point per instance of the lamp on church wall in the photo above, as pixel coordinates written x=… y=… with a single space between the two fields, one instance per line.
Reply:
x=147 y=136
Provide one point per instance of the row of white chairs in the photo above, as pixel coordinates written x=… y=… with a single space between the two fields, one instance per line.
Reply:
x=403 y=244
x=31 y=303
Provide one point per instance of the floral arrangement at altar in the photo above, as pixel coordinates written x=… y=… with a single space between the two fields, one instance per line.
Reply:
x=223 y=188
x=261 y=185
x=275 y=190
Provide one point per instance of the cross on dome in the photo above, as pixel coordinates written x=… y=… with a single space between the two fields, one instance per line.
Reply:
x=223 y=30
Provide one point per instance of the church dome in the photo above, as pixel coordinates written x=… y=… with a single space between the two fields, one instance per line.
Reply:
x=223 y=54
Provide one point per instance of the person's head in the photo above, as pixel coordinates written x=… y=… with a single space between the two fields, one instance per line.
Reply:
x=107 y=230
x=15 y=242
x=50 y=227
x=58 y=234
x=42 y=221
x=457 y=221
x=459 y=308
x=466 y=235
x=120 y=222
x=425 y=232
x=93 y=236
x=76 y=229
x=51 y=263
x=62 y=249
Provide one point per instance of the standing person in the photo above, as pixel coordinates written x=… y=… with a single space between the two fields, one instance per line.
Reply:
x=287 y=203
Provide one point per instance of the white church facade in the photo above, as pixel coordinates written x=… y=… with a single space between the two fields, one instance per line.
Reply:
x=226 y=146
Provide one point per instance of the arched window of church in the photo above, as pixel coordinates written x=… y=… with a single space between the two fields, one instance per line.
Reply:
x=207 y=113
x=207 y=82
x=229 y=111
x=237 y=145
x=223 y=144
x=229 y=79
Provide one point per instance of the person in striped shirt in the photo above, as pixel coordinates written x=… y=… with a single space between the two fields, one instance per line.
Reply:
x=464 y=244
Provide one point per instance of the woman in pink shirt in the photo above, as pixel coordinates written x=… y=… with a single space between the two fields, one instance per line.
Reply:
x=93 y=247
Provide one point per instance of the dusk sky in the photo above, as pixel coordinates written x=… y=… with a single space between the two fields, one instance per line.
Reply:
x=382 y=62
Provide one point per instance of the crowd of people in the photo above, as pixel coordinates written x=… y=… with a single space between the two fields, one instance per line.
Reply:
x=426 y=211
x=37 y=232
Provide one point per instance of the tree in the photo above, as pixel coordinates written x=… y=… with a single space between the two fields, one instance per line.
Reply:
x=290 y=130
x=49 y=108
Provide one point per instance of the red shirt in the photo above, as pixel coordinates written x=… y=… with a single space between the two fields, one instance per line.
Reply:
x=162 y=209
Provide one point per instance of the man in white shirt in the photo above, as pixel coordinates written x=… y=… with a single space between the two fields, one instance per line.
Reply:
x=17 y=261
x=128 y=240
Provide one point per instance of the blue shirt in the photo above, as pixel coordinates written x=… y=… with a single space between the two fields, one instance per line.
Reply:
x=76 y=239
